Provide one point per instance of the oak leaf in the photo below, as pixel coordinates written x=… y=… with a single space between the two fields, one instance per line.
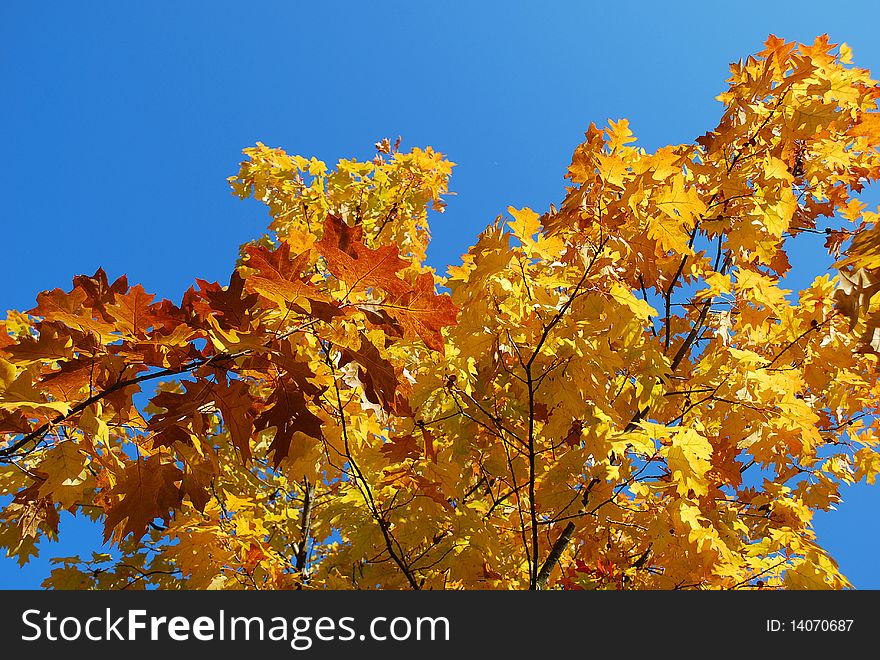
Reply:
x=358 y=266
x=148 y=489
x=421 y=312
x=288 y=414
x=379 y=377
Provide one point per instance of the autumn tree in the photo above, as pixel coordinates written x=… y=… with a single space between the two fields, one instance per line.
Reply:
x=616 y=393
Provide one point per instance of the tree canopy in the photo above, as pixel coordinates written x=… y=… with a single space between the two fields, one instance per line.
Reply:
x=618 y=392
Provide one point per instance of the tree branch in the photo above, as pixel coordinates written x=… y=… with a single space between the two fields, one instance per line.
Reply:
x=302 y=554
x=553 y=558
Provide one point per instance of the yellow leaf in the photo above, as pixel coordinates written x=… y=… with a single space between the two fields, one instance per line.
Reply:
x=678 y=202
x=688 y=460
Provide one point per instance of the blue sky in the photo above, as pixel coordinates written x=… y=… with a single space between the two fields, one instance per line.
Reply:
x=121 y=122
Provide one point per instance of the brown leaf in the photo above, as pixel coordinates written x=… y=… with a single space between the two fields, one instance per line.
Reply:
x=835 y=241
x=384 y=321
x=236 y=406
x=428 y=437
x=230 y=303
x=326 y=311
x=147 y=490
x=14 y=423
x=288 y=414
x=293 y=370
x=542 y=412
x=184 y=411
x=31 y=511
x=170 y=435
x=573 y=438
x=381 y=384
x=100 y=292
x=196 y=484
x=398 y=449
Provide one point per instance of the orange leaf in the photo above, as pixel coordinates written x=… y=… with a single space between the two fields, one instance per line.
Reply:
x=132 y=311
x=278 y=277
x=357 y=265
x=422 y=313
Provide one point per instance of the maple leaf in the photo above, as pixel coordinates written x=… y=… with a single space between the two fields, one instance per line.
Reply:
x=680 y=202
x=31 y=512
x=669 y=234
x=19 y=392
x=70 y=309
x=777 y=47
x=196 y=483
x=835 y=241
x=72 y=377
x=326 y=311
x=182 y=410
x=229 y=303
x=688 y=458
x=63 y=469
x=51 y=345
x=100 y=292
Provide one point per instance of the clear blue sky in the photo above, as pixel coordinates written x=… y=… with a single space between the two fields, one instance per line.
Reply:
x=121 y=121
